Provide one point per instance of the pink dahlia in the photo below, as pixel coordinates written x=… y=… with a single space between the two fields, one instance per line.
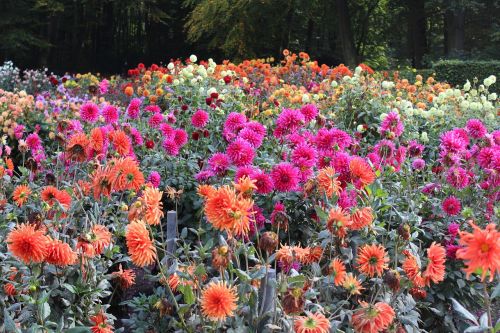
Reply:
x=476 y=128
x=263 y=181
x=134 y=108
x=309 y=111
x=110 y=114
x=392 y=125
x=285 y=177
x=199 y=119
x=240 y=152
x=451 y=206
x=154 y=178
x=155 y=120
x=180 y=137
x=219 y=163
x=33 y=141
x=252 y=137
x=89 y=112
x=304 y=156
x=171 y=147
x=458 y=177
x=289 y=121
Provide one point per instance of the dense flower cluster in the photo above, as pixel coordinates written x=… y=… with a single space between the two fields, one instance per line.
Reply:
x=295 y=196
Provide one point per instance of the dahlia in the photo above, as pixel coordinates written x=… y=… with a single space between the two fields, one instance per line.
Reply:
x=126 y=278
x=476 y=128
x=451 y=206
x=240 y=152
x=199 y=119
x=372 y=318
x=180 y=137
x=392 y=124
x=263 y=182
x=309 y=111
x=361 y=217
x=89 y=112
x=372 y=260
x=21 y=194
x=218 y=301
x=435 y=269
x=60 y=253
x=312 y=323
x=110 y=114
x=140 y=246
x=304 y=156
x=171 y=147
x=328 y=182
x=480 y=250
x=337 y=271
x=154 y=179
x=361 y=173
x=458 y=177
x=219 y=163
x=27 y=243
x=285 y=177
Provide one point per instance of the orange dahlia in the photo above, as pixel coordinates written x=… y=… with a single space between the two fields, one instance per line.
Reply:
x=218 y=301
x=9 y=289
x=205 y=191
x=151 y=199
x=372 y=260
x=49 y=194
x=361 y=217
x=125 y=175
x=352 y=284
x=245 y=185
x=338 y=222
x=121 y=142
x=412 y=270
x=96 y=140
x=361 y=172
x=289 y=254
x=21 y=194
x=77 y=146
x=60 y=253
x=480 y=250
x=372 y=318
x=100 y=238
x=328 y=182
x=27 y=243
x=435 y=269
x=312 y=323
x=102 y=182
x=227 y=211
x=100 y=323
x=311 y=254
x=126 y=278
x=337 y=270
x=140 y=246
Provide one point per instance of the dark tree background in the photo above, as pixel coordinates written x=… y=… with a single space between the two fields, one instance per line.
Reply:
x=110 y=36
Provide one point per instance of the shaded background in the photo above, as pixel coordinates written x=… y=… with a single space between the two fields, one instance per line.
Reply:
x=110 y=36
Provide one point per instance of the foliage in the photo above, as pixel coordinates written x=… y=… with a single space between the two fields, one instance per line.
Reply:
x=458 y=71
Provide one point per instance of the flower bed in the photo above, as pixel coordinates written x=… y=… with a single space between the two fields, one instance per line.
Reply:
x=248 y=198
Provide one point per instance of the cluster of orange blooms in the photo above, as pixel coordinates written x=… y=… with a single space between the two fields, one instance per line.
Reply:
x=229 y=208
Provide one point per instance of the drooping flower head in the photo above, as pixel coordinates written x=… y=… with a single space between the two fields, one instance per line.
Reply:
x=372 y=318
x=312 y=323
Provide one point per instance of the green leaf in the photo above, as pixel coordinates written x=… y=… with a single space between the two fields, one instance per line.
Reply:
x=188 y=294
x=496 y=292
x=79 y=329
x=463 y=312
x=9 y=324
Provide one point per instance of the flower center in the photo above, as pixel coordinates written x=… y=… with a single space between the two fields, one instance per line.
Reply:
x=485 y=248
x=310 y=323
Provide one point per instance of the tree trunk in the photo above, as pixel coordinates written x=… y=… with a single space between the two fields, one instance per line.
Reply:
x=454 y=29
x=349 y=55
x=417 y=29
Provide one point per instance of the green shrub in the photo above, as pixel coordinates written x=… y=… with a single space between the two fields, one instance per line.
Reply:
x=457 y=72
